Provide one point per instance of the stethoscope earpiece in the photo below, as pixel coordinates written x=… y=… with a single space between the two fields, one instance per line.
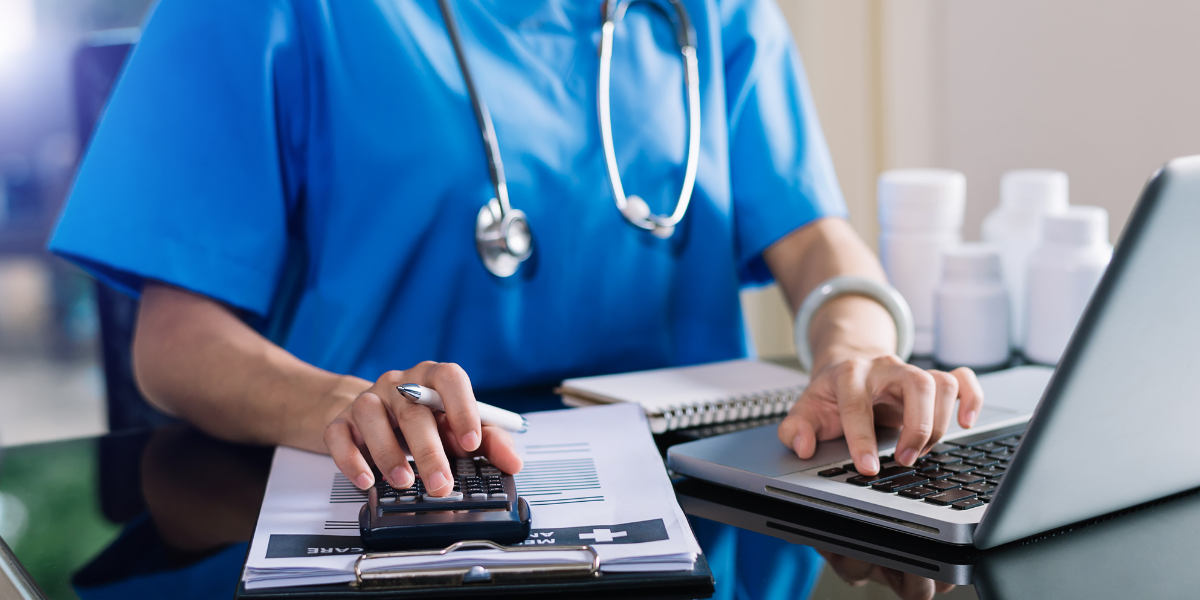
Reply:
x=503 y=237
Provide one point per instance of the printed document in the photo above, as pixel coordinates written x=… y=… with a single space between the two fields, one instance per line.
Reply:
x=592 y=476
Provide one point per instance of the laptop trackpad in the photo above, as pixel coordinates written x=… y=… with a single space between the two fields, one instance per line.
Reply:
x=759 y=451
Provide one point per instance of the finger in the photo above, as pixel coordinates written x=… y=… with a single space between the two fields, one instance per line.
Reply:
x=451 y=381
x=346 y=455
x=852 y=571
x=858 y=419
x=943 y=406
x=375 y=426
x=798 y=430
x=450 y=442
x=942 y=587
x=420 y=430
x=970 y=396
x=916 y=389
x=499 y=448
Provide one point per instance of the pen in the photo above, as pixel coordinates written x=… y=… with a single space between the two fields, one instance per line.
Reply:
x=488 y=414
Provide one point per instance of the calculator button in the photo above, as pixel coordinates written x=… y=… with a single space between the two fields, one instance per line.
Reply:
x=500 y=496
x=479 y=496
x=387 y=500
x=451 y=497
x=412 y=498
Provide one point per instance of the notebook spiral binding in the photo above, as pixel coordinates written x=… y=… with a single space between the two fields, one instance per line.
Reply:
x=765 y=404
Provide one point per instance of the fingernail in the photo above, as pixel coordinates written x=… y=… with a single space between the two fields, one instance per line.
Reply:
x=470 y=441
x=796 y=442
x=869 y=462
x=971 y=418
x=436 y=481
x=399 y=478
x=363 y=481
x=907 y=456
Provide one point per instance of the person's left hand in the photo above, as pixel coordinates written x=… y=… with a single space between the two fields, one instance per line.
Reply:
x=850 y=397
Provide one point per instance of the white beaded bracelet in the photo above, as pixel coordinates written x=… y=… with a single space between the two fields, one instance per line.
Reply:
x=859 y=285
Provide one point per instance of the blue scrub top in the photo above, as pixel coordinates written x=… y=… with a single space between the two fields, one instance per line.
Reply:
x=316 y=164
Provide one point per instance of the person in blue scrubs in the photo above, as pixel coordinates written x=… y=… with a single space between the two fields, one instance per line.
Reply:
x=291 y=186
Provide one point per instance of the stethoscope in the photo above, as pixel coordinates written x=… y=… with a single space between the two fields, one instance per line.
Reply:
x=503 y=237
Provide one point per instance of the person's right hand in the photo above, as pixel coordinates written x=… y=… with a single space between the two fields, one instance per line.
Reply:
x=906 y=585
x=382 y=426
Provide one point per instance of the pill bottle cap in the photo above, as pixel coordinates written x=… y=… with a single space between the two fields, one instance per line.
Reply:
x=972 y=262
x=1035 y=190
x=1077 y=226
x=922 y=200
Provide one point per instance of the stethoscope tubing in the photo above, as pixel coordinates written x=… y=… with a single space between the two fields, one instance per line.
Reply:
x=685 y=35
x=502 y=233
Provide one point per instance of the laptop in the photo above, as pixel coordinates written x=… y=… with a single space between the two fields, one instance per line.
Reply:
x=1110 y=428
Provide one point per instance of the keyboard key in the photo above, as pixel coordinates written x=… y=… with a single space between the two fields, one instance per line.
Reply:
x=943 y=486
x=940 y=448
x=945 y=459
x=967 y=453
x=986 y=499
x=916 y=493
x=884 y=474
x=451 y=497
x=982 y=461
x=995 y=478
x=1000 y=457
x=956 y=469
x=834 y=472
x=990 y=447
x=1011 y=442
x=990 y=472
x=981 y=487
x=938 y=474
x=850 y=467
x=899 y=483
x=949 y=497
x=968 y=503
x=883 y=460
x=925 y=465
x=967 y=478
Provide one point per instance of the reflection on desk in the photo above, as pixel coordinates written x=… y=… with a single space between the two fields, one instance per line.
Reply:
x=166 y=513
x=135 y=515
x=1145 y=552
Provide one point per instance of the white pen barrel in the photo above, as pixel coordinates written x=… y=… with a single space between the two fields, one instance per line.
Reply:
x=504 y=419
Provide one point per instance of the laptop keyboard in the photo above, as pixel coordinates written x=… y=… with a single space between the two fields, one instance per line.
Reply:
x=961 y=474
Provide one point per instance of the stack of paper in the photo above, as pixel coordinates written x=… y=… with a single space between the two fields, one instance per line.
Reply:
x=592 y=476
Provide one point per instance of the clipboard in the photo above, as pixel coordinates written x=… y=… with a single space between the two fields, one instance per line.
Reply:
x=581 y=579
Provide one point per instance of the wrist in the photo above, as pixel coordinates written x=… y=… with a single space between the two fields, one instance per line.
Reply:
x=338 y=394
x=850 y=327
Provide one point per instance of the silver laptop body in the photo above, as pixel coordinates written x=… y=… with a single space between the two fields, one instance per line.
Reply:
x=1115 y=425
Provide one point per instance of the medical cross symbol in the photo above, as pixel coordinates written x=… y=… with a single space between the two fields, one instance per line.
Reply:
x=602 y=535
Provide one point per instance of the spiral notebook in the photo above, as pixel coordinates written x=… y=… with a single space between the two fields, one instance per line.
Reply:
x=679 y=397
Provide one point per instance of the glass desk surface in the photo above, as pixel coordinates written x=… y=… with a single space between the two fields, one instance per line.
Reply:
x=167 y=514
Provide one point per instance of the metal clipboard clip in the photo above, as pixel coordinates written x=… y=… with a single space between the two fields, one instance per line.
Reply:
x=434 y=576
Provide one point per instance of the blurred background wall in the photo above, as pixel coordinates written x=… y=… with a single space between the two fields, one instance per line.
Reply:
x=1099 y=88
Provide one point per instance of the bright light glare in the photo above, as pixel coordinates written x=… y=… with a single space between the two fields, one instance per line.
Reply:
x=17 y=27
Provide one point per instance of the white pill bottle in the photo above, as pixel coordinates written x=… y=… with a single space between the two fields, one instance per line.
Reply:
x=1015 y=229
x=920 y=217
x=1062 y=274
x=971 y=309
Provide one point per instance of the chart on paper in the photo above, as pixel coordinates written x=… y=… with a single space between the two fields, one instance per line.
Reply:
x=559 y=474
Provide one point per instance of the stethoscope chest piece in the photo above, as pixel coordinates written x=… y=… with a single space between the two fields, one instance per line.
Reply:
x=503 y=238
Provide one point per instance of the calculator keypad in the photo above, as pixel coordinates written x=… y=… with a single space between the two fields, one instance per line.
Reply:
x=477 y=485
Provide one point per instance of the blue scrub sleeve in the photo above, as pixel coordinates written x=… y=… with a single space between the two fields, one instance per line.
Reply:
x=782 y=174
x=186 y=179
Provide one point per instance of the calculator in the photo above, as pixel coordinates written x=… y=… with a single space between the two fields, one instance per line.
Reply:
x=483 y=506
